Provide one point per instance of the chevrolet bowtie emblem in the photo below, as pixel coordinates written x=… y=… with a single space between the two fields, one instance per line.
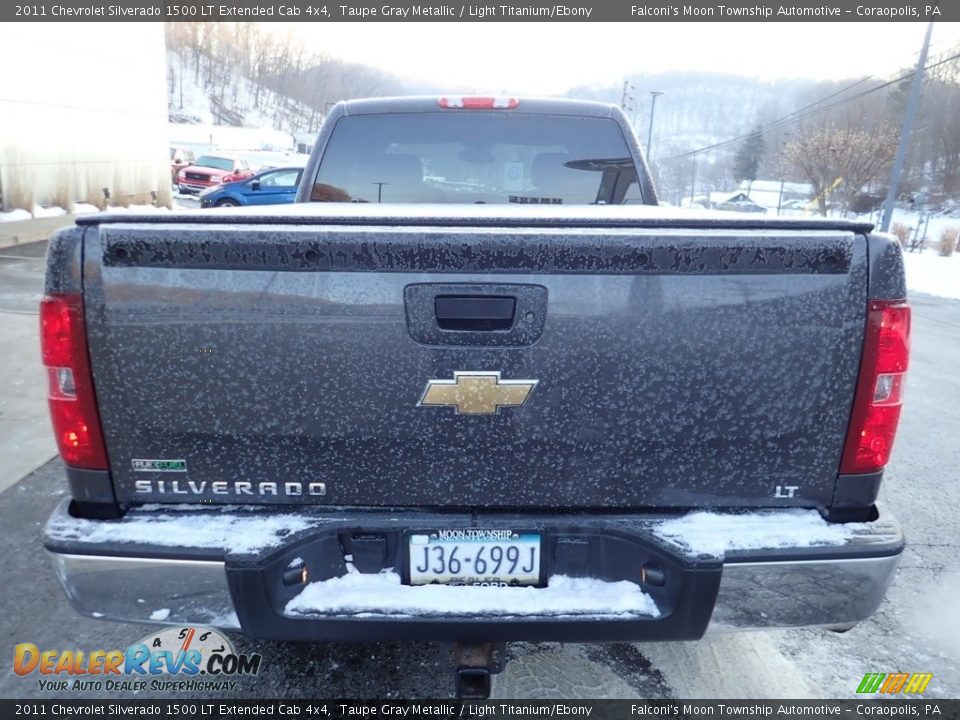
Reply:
x=477 y=393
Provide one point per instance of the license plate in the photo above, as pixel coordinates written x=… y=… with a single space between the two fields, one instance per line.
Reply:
x=474 y=557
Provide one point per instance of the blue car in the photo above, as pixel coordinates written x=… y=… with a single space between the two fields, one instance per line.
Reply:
x=268 y=187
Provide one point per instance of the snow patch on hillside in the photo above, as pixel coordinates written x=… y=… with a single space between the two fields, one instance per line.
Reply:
x=191 y=104
x=229 y=98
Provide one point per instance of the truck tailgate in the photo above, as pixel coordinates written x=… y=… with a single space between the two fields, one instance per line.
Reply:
x=289 y=363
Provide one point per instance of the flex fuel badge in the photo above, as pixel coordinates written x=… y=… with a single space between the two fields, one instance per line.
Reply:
x=159 y=465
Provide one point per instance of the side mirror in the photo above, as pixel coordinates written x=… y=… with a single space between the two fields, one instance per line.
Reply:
x=255 y=185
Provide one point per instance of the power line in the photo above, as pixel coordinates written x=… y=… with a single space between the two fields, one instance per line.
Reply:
x=789 y=116
x=804 y=113
x=784 y=121
x=809 y=110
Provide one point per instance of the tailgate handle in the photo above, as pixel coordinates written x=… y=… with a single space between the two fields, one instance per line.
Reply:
x=475 y=312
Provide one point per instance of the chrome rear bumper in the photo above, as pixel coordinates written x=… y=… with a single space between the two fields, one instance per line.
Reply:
x=142 y=590
x=805 y=593
x=752 y=595
x=756 y=590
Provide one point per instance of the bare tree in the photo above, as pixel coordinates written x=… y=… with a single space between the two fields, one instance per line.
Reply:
x=840 y=162
x=937 y=140
x=288 y=81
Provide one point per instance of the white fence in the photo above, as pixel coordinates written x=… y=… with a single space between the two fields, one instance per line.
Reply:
x=83 y=107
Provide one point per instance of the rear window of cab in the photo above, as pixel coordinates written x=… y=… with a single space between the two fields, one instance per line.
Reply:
x=476 y=157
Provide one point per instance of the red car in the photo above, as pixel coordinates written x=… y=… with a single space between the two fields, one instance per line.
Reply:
x=179 y=159
x=210 y=171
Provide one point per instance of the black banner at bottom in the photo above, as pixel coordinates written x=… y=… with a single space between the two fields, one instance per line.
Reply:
x=410 y=710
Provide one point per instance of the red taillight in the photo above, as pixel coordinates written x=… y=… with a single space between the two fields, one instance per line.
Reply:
x=876 y=406
x=73 y=407
x=474 y=102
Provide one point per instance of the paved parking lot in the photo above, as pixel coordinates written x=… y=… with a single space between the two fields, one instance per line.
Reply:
x=916 y=630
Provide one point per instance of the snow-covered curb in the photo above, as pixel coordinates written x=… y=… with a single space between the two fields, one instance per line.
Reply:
x=20 y=215
x=707 y=533
x=383 y=593
x=16 y=215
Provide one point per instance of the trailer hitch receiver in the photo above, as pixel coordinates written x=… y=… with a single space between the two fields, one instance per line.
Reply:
x=474 y=664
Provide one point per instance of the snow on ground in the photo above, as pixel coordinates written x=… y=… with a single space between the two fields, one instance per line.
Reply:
x=75 y=209
x=15 y=215
x=40 y=212
x=136 y=209
x=37 y=212
x=929 y=273
x=226 y=620
x=160 y=615
x=708 y=533
x=358 y=593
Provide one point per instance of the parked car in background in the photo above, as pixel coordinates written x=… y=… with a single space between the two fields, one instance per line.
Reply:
x=179 y=159
x=210 y=171
x=272 y=186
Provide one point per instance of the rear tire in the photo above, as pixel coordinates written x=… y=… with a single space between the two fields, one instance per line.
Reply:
x=840 y=629
x=227 y=202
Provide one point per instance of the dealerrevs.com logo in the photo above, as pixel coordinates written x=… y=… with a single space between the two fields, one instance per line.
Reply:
x=173 y=659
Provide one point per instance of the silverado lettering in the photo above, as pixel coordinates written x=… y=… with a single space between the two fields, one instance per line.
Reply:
x=190 y=487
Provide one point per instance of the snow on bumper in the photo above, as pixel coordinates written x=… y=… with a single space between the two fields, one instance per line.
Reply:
x=383 y=593
x=224 y=567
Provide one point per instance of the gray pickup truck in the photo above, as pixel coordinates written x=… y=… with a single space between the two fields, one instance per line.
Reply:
x=475 y=386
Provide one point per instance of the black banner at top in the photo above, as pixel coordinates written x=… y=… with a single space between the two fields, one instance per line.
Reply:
x=495 y=11
x=639 y=709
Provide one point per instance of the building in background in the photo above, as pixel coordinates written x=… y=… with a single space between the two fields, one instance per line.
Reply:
x=773 y=194
x=202 y=138
x=83 y=108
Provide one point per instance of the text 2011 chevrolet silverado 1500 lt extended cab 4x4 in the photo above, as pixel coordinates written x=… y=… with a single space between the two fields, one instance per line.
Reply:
x=455 y=393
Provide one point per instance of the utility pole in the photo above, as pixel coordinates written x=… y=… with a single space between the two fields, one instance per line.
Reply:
x=780 y=168
x=693 y=181
x=905 y=131
x=626 y=97
x=653 y=106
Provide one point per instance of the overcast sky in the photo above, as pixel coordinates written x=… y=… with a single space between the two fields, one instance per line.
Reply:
x=549 y=58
